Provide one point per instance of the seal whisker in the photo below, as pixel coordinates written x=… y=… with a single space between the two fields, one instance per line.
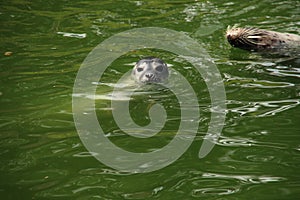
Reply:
x=255 y=39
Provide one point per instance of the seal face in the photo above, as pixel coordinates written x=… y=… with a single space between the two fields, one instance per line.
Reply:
x=150 y=70
x=254 y=39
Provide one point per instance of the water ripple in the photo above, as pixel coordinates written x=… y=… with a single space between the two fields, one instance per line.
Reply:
x=246 y=178
x=246 y=142
x=214 y=191
x=102 y=171
x=284 y=71
x=254 y=82
x=263 y=108
x=75 y=35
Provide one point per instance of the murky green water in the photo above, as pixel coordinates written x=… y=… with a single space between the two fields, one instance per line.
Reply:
x=42 y=156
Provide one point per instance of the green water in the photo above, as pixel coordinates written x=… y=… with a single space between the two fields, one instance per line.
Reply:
x=42 y=156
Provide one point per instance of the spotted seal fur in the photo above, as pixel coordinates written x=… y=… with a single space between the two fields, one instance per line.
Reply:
x=260 y=40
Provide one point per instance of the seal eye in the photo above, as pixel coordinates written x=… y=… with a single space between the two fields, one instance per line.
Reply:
x=159 y=68
x=139 y=69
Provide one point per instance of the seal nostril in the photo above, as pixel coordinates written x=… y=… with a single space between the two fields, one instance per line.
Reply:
x=149 y=75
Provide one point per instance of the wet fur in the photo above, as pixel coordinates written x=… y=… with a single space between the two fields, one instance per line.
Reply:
x=254 y=39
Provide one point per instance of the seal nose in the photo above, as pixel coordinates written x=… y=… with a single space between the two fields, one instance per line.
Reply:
x=149 y=75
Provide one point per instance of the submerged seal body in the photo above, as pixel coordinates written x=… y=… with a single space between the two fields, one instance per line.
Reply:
x=260 y=40
x=150 y=70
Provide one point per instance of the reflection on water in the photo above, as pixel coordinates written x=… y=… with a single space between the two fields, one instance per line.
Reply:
x=284 y=71
x=42 y=156
x=75 y=35
x=262 y=109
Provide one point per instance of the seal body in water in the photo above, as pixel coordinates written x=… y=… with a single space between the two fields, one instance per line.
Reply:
x=260 y=40
x=150 y=70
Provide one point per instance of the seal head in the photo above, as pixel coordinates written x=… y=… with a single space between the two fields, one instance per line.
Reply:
x=150 y=70
x=260 y=40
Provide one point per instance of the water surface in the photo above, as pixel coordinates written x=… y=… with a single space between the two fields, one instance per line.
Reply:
x=42 y=156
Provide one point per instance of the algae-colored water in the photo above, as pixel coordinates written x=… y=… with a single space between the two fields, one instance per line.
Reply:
x=42 y=156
